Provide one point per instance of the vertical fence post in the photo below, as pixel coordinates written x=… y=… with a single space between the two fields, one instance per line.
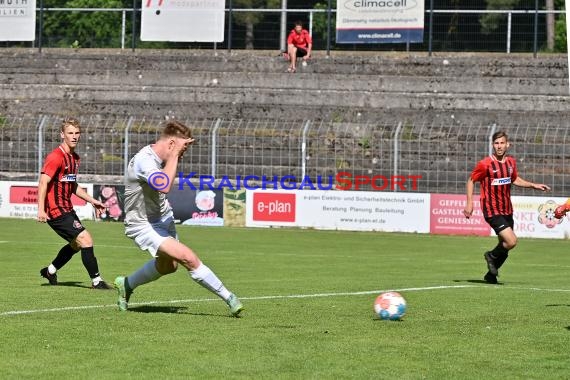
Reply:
x=397 y=149
x=40 y=40
x=126 y=149
x=535 y=44
x=304 y=149
x=491 y=133
x=230 y=14
x=430 y=33
x=214 y=144
x=41 y=124
x=134 y=26
x=567 y=12
x=329 y=10
x=283 y=30
x=123 y=28
x=509 y=23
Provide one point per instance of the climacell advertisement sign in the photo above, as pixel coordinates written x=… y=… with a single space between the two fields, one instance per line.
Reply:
x=379 y=21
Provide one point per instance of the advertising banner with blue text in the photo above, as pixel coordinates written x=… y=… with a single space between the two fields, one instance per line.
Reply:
x=379 y=21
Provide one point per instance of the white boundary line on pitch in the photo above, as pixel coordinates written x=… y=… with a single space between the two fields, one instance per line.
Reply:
x=315 y=295
x=19 y=312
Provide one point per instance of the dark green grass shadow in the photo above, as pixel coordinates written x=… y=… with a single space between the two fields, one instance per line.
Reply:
x=474 y=281
x=171 y=310
x=75 y=284
x=159 y=309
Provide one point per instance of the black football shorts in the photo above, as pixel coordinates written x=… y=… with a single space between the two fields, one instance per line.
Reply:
x=68 y=226
x=500 y=222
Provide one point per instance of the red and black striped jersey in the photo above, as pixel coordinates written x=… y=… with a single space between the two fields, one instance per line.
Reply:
x=495 y=178
x=62 y=168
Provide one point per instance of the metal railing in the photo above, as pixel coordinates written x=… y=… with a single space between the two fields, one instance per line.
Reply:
x=520 y=30
x=443 y=155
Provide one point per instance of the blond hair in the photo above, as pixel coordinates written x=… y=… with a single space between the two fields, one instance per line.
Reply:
x=70 y=121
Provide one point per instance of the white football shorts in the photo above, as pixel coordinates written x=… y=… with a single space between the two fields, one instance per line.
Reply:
x=150 y=236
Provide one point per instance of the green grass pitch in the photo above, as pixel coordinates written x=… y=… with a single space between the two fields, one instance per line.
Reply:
x=308 y=296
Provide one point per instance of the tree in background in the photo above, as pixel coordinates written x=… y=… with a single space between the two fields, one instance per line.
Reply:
x=490 y=22
x=560 y=28
x=320 y=21
x=251 y=19
x=83 y=29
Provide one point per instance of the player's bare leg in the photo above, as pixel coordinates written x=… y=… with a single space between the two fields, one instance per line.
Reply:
x=293 y=58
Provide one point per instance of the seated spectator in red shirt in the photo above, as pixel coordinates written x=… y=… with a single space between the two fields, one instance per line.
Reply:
x=299 y=45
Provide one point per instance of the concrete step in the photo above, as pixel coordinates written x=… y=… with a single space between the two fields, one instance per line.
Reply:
x=371 y=63
x=285 y=97
x=305 y=80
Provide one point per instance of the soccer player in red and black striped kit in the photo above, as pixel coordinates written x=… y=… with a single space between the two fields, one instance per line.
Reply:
x=495 y=174
x=58 y=181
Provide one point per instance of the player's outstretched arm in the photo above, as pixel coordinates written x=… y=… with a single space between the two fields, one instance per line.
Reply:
x=98 y=205
x=524 y=183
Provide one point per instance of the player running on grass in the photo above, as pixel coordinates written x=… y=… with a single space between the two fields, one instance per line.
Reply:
x=58 y=182
x=495 y=174
x=149 y=219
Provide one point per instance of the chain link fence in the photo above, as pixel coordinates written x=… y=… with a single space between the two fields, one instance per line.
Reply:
x=443 y=155
x=465 y=27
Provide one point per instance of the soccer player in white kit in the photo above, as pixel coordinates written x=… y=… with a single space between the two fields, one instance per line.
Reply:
x=149 y=219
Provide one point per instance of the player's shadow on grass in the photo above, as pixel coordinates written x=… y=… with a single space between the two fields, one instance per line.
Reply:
x=473 y=281
x=558 y=305
x=158 y=309
x=75 y=284
x=169 y=310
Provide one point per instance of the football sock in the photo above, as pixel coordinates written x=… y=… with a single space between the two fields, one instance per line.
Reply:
x=208 y=279
x=499 y=251
x=64 y=255
x=90 y=262
x=501 y=259
x=147 y=273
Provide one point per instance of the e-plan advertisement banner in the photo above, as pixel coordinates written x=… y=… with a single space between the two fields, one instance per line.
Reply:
x=342 y=210
x=17 y=20
x=183 y=21
x=379 y=21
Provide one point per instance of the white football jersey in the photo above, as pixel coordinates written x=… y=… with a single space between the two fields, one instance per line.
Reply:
x=143 y=203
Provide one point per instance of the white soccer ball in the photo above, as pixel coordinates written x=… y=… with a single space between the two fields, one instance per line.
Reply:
x=390 y=306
